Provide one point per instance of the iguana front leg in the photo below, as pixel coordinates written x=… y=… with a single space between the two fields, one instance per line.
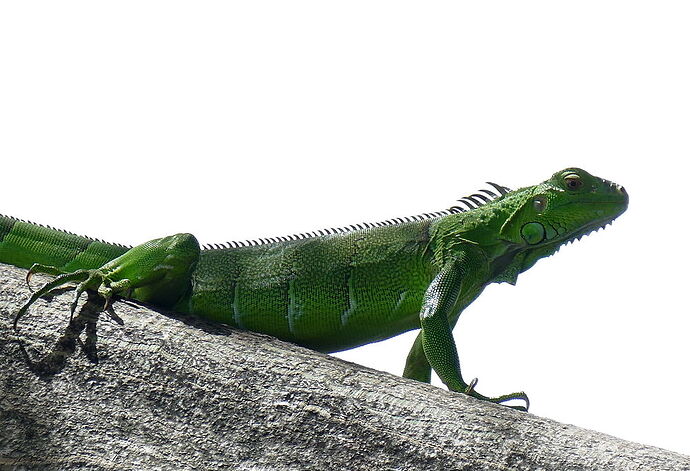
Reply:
x=157 y=271
x=417 y=366
x=436 y=336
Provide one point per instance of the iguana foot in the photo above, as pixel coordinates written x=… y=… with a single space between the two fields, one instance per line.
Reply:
x=97 y=280
x=500 y=399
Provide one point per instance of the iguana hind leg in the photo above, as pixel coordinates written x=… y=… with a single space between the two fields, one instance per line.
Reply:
x=157 y=271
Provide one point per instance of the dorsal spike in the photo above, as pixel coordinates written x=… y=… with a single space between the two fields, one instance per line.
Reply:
x=481 y=197
x=491 y=194
x=467 y=203
x=501 y=189
x=476 y=201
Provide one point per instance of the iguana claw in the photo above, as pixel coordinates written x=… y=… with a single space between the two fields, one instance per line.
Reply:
x=470 y=387
x=38 y=268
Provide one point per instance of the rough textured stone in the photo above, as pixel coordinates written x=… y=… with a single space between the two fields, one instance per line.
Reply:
x=167 y=392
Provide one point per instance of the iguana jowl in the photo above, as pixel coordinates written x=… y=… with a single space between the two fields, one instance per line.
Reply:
x=340 y=289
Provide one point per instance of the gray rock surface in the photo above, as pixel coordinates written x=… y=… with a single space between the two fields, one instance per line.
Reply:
x=167 y=392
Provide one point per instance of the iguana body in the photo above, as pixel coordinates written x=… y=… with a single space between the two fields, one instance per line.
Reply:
x=342 y=289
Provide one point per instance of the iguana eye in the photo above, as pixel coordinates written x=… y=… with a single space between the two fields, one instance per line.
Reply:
x=540 y=204
x=573 y=182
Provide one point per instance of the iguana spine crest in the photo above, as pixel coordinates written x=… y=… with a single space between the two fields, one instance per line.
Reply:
x=472 y=202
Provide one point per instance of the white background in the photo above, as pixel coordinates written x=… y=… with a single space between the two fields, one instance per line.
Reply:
x=132 y=120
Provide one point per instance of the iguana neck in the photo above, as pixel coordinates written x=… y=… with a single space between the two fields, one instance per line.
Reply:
x=481 y=229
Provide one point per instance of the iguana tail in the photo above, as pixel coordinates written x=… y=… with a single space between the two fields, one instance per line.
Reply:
x=24 y=244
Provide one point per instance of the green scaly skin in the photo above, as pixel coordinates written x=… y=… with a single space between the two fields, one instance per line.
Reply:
x=341 y=290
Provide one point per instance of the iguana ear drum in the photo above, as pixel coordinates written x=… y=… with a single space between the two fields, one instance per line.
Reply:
x=533 y=233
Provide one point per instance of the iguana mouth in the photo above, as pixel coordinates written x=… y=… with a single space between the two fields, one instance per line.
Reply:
x=585 y=231
x=619 y=199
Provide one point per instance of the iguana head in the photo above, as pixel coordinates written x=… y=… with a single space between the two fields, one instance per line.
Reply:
x=569 y=205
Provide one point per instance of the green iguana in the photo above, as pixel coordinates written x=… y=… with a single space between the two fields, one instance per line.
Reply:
x=337 y=289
